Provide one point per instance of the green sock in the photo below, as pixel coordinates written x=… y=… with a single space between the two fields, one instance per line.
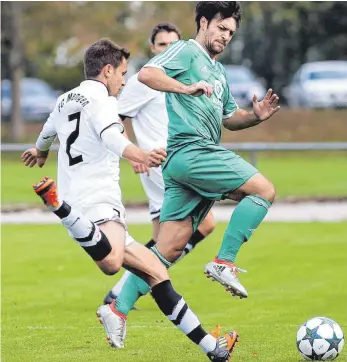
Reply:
x=246 y=217
x=134 y=287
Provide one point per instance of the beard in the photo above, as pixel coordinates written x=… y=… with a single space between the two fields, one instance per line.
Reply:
x=211 y=49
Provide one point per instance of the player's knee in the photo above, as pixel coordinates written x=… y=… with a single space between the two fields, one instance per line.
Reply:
x=110 y=267
x=172 y=252
x=268 y=191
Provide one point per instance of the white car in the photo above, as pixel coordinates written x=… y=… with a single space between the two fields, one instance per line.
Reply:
x=319 y=85
x=243 y=84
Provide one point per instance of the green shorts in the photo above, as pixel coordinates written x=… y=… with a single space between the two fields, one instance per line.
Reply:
x=198 y=175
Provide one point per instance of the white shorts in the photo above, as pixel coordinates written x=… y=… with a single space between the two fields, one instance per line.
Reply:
x=101 y=204
x=155 y=189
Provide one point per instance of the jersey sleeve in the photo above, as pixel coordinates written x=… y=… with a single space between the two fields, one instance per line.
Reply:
x=134 y=96
x=105 y=115
x=229 y=103
x=48 y=133
x=175 y=60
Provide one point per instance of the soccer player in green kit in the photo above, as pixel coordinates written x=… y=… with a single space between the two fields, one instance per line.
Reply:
x=198 y=171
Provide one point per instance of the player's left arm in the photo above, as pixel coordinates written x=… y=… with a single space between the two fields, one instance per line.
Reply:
x=39 y=154
x=263 y=110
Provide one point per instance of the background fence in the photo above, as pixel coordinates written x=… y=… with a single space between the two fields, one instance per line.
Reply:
x=251 y=147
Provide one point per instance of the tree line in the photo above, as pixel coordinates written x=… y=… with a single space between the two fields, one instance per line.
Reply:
x=47 y=39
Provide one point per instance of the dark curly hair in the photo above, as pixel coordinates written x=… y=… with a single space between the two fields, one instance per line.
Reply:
x=209 y=9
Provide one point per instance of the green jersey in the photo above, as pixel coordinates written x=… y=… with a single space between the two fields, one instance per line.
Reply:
x=192 y=118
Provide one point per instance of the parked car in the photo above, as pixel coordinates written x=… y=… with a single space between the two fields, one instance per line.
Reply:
x=37 y=99
x=243 y=84
x=319 y=85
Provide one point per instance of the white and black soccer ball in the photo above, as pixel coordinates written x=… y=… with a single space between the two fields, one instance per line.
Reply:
x=320 y=339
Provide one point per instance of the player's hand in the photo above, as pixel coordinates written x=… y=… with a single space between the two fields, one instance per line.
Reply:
x=200 y=88
x=264 y=109
x=41 y=157
x=139 y=167
x=29 y=157
x=156 y=157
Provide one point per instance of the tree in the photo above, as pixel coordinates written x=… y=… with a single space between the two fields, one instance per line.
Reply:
x=12 y=12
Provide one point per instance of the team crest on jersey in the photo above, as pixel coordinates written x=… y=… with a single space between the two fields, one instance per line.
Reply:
x=204 y=69
x=218 y=89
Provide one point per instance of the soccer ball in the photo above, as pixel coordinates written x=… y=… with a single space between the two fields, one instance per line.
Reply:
x=320 y=339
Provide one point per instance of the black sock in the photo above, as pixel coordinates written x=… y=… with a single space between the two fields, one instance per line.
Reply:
x=175 y=308
x=150 y=244
x=196 y=238
x=63 y=211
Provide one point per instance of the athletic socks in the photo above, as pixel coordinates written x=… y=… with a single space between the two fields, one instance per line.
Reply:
x=85 y=232
x=77 y=224
x=134 y=287
x=194 y=240
x=125 y=301
x=178 y=312
x=246 y=217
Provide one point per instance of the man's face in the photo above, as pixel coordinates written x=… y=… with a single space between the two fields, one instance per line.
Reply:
x=115 y=77
x=218 y=33
x=162 y=40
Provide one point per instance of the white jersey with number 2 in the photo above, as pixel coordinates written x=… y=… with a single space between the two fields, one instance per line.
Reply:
x=88 y=173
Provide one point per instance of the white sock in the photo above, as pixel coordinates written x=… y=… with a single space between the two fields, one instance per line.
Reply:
x=118 y=287
x=208 y=343
x=187 y=249
x=78 y=225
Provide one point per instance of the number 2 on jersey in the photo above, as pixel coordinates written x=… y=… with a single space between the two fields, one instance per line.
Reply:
x=72 y=138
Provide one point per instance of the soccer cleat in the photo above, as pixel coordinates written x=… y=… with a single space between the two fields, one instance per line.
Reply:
x=47 y=190
x=110 y=297
x=226 y=274
x=224 y=348
x=114 y=324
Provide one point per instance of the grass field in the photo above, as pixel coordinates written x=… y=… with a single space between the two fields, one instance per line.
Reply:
x=293 y=174
x=51 y=289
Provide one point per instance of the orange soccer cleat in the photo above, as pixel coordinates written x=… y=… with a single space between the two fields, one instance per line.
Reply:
x=47 y=190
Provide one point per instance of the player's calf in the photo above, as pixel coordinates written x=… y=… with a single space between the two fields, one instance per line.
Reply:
x=173 y=238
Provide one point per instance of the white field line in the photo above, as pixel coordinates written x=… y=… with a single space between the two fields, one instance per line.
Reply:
x=297 y=212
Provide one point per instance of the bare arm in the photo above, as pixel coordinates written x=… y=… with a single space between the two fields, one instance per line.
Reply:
x=156 y=79
x=241 y=119
x=262 y=111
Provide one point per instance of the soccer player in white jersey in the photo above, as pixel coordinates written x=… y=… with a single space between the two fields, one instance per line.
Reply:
x=86 y=122
x=146 y=109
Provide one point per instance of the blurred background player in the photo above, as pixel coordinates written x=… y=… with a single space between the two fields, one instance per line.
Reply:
x=146 y=109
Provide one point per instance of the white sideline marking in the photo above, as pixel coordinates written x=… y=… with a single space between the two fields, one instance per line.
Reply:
x=296 y=212
x=169 y=326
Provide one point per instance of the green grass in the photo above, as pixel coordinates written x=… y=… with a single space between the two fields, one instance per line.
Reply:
x=51 y=289
x=293 y=174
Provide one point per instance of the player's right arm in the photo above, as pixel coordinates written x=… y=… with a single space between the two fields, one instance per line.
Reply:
x=160 y=72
